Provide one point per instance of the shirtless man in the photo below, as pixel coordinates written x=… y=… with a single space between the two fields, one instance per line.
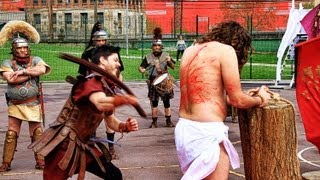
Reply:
x=209 y=70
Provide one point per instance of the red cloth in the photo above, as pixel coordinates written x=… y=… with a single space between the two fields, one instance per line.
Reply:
x=308 y=22
x=88 y=87
x=308 y=88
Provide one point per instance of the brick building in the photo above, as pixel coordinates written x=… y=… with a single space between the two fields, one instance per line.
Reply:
x=75 y=18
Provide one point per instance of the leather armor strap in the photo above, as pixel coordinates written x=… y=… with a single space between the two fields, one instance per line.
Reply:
x=104 y=151
x=82 y=169
x=46 y=137
x=75 y=161
x=96 y=157
x=56 y=141
x=64 y=162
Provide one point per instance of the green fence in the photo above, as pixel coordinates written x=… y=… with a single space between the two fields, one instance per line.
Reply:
x=261 y=65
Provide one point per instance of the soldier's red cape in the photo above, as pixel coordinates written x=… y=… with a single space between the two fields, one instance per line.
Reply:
x=308 y=88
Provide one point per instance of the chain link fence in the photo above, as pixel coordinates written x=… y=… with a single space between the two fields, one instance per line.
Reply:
x=261 y=64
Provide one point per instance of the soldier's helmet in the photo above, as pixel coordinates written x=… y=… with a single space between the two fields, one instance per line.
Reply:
x=19 y=42
x=157 y=42
x=100 y=35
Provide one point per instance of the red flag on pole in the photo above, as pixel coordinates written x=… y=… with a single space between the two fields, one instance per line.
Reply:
x=308 y=88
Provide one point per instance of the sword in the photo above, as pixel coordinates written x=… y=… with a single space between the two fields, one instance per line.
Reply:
x=41 y=103
x=104 y=140
x=106 y=74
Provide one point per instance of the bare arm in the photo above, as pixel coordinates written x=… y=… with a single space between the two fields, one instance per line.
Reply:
x=16 y=77
x=107 y=103
x=170 y=62
x=35 y=71
x=23 y=75
x=231 y=80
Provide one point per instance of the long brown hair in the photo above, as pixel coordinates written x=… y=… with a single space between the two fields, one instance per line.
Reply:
x=233 y=34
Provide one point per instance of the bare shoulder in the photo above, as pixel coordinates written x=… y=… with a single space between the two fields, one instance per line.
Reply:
x=214 y=45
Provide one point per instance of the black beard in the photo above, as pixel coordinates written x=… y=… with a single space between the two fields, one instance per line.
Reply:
x=157 y=53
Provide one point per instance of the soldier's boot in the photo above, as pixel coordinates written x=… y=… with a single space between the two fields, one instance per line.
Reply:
x=9 y=148
x=110 y=137
x=154 y=122
x=37 y=133
x=169 y=123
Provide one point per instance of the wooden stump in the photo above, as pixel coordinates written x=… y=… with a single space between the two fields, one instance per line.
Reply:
x=269 y=142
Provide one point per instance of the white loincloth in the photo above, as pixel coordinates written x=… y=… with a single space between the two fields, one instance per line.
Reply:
x=198 y=149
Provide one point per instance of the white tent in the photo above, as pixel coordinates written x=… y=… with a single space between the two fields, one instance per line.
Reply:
x=294 y=28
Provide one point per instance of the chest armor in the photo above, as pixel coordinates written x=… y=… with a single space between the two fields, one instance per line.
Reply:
x=83 y=119
x=26 y=89
x=157 y=62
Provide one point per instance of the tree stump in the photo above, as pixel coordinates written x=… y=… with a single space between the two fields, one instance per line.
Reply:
x=269 y=141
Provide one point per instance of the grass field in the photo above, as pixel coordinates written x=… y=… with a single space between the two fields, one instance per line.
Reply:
x=261 y=65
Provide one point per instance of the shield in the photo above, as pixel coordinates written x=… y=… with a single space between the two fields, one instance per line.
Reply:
x=308 y=88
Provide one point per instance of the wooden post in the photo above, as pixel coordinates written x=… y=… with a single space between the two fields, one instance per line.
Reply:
x=269 y=141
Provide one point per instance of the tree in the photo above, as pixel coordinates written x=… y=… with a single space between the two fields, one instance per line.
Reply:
x=256 y=15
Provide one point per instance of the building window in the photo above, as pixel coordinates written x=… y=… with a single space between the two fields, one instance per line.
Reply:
x=76 y=1
x=84 y=1
x=100 y=17
x=54 y=18
x=43 y=2
x=37 y=18
x=35 y=2
x=84 y=18
x=59 y=1
x=68 y=18
x=119 y=23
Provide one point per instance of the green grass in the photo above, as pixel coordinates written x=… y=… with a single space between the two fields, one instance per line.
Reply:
x=61 y=68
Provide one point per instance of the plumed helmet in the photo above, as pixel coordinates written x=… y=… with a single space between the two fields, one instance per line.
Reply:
x=16 y=27
x=157 y=36
x=100 y=35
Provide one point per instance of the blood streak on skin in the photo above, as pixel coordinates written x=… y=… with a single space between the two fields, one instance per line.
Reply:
x=200 y=89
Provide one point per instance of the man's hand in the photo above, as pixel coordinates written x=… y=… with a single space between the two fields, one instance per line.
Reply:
x=264 y=93
x=14 y=75
x=128 y=126
x=132 y=124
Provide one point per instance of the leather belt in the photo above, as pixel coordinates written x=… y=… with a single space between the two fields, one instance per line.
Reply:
x=24 y=101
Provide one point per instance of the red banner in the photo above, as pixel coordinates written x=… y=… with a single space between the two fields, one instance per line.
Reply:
x=308 y=88
x=308 y=22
